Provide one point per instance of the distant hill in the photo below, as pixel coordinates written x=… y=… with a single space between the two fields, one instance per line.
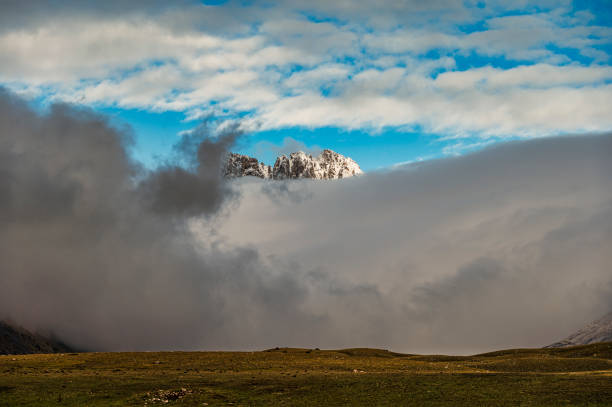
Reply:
x=18 y=341
x=595 y=332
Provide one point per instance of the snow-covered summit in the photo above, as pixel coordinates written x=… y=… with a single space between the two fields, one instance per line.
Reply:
x=239 y=165
x=327 y=165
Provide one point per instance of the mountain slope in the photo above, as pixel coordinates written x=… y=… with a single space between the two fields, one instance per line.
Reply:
x=328 y=165
x=18 y=341
x=596 y=331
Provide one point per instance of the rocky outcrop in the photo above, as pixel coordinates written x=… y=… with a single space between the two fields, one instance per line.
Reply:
x=597 y=331
x=239 y=165
x=327 y=165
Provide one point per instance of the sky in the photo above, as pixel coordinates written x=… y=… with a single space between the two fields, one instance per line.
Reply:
x=382 y=82
x=483 y=221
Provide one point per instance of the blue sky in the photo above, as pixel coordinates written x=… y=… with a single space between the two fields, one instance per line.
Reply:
x=382 y=82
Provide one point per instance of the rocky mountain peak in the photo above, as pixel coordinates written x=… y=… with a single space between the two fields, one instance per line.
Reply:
x=239 y=165
x=327 y=165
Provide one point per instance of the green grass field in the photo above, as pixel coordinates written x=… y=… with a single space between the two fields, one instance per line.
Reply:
x=579 y=376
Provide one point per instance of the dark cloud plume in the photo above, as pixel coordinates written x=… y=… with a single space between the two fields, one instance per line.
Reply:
x=198 y=189
x=99 y=251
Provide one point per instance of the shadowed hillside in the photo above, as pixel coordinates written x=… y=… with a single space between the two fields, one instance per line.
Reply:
x=595 y=332
x=18 y=341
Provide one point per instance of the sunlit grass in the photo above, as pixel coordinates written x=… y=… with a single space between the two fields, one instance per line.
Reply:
x=580 y=376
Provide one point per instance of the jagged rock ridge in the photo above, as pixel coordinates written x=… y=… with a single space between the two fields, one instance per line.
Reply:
x=242 y=165
x=597 y=331
x=328 y=165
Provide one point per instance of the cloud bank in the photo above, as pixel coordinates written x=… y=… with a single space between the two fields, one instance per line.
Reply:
x=503 y=248
x=508 y=247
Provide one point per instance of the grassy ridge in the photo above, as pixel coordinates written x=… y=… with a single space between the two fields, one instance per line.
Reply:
x=580 y=376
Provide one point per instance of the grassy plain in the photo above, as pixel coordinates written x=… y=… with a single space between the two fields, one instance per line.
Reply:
x=579 y=376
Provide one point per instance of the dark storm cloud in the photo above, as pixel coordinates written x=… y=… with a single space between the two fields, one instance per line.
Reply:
x=99 y=251
x=174 y=189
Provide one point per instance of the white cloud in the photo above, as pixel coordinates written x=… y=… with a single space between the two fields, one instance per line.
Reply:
x=70 y=51
x=537 y=76
x=319 y=76
x=412 y=41
x=392 y=100
x=137 y=90
x=283 y=69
